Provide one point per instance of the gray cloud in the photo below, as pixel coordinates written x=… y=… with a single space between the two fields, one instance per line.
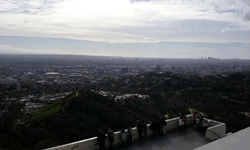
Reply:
x=127 y=21
x=235 y=29
x=246 y=1
x=27 y=6
x=247 y=16
x=238 y=11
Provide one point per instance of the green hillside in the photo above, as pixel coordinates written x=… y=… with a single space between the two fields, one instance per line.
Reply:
x=75 y=118
x=47 y=111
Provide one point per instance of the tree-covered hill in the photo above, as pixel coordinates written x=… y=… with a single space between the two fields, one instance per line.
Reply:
x=74 y=118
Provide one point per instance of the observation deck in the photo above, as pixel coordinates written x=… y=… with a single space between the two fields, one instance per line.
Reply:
x=172 y=140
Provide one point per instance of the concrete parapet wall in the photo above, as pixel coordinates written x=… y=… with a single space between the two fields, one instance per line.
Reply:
x=215 y=132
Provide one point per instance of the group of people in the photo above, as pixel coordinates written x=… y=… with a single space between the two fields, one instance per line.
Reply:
x=183 y=123
x=199 y=124
x=101 y=137
x=142 y=129
x=126 y=136
x=159 y=126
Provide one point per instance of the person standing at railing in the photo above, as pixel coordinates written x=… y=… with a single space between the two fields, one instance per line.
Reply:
x=111 y=138
x=200 y=123
x=101 y=140
x=145 y=130
x=185 y=123
x=130 y=136
x=181 y=124
x=139 y=129
x=158 y=126
x=204 y=127
x=163 y=125
x=123 y=136
x=201 y=118
x=153 y=126
x=194 y=121
x=197 y=122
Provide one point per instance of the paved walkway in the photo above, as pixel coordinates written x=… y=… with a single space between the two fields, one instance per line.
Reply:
x=171 y=141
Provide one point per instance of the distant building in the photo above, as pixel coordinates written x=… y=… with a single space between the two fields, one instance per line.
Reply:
x=210 y=58
x=158 y=68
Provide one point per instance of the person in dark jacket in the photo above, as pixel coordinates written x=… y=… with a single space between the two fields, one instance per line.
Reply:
x=158 y=126
x=153 y=126
x=130 y=136
x=139 y=129
x=111 y=138
x=205 y=126
x=101 y=140
x=145 y=129
x=200 y=123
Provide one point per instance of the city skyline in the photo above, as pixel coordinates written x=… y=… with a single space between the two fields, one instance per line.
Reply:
x=135 y=28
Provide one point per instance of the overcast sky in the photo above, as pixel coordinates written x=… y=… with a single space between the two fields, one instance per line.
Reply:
x=136 y=28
